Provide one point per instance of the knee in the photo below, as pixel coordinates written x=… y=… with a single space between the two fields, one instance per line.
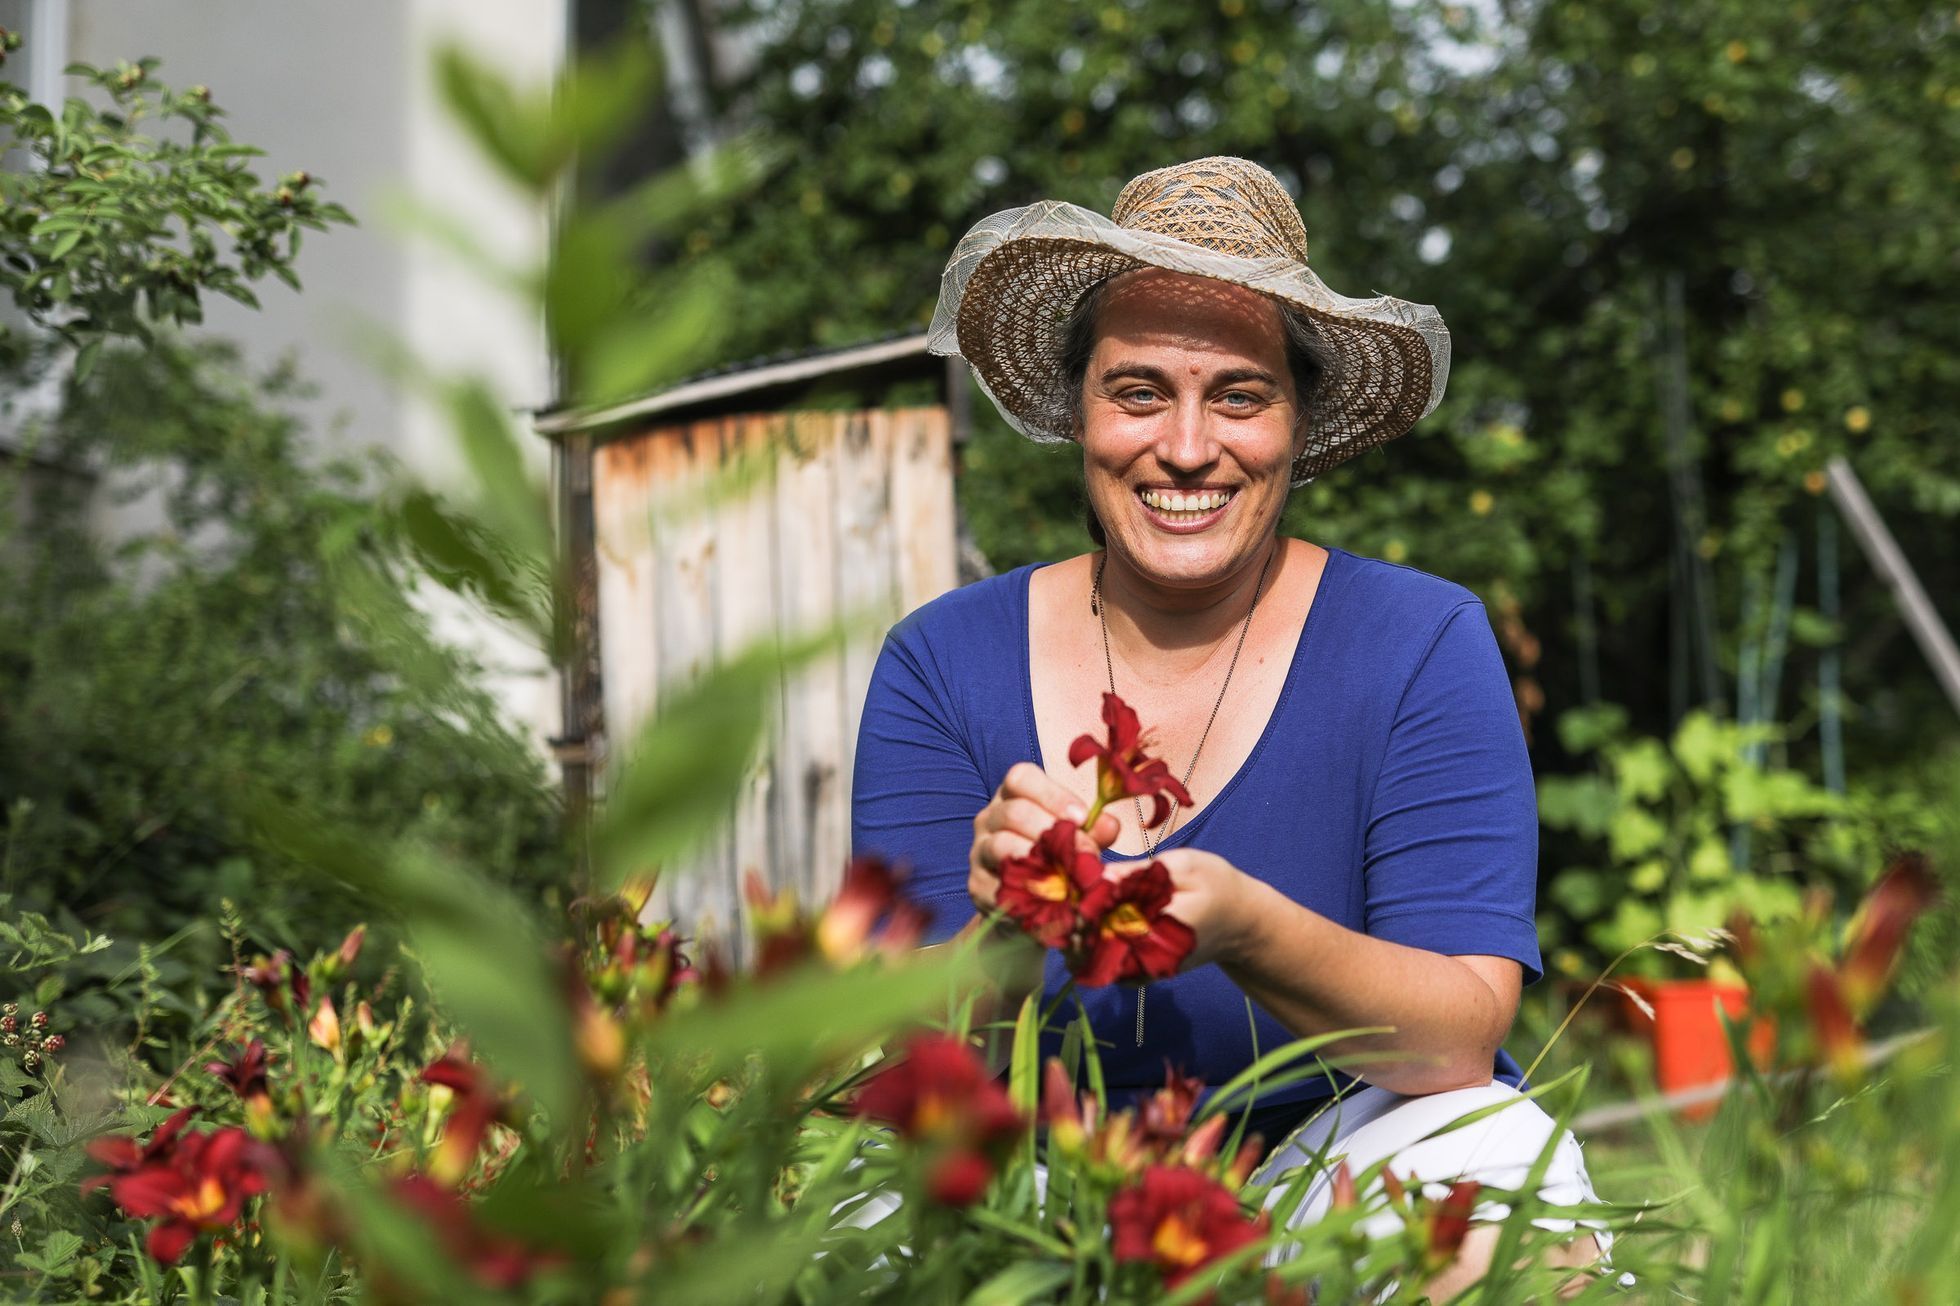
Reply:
x=1479 y=1250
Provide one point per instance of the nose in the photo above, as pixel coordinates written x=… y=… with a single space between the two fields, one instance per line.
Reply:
x=1184 y=440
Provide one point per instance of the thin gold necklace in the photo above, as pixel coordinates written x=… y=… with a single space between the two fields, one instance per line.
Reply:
x=1109 y=666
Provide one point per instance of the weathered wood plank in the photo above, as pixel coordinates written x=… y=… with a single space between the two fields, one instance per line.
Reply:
x=623 y=545
x=745 y=611
x=701 y=891
x=922 y=505
x=811 y=779
x=867 y=573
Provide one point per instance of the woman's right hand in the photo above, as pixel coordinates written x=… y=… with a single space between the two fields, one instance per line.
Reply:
x=1027 y=803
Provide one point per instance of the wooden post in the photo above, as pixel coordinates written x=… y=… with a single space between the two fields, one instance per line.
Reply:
x=1889 y=561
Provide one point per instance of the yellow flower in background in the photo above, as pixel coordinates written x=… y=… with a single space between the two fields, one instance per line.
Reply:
x=1815 y=482
x=378 y=737
x=1481 y=502
x=1737 y=51
x=1857 y=419
x=1792 y=400
x=1395 y=551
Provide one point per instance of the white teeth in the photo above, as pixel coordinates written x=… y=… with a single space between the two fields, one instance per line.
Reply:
x=1174 y=501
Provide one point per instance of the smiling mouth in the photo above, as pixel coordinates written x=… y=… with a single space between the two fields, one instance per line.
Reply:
x=1183 y=507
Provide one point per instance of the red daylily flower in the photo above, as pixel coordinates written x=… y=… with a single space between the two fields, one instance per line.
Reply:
x=1878 y=934
x=123 y=1155
x=493 y=1259
x=846 y=929
x=1449 y=1221
x=1042 y=891
x=274 y=976
x=1123 y=768
x=245 y=1076
x=1167 y=1112
x=477 y=1108
x=940 y=1096
x=190 y=1183
x=1179 y=1220
x=1134 y=936
x=1831 y=1020
x=869 y=894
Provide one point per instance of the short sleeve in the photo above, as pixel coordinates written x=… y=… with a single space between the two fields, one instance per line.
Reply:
x=915 y=787
x=1450 y=860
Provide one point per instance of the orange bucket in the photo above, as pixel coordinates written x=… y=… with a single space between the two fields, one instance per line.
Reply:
x=1691 y=1050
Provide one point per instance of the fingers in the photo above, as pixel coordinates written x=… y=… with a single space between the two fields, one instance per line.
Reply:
x=1022 y=815
x=983 y=866
x=1026 y=780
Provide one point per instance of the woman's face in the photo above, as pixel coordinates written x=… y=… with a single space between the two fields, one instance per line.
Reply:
x=1187 y=394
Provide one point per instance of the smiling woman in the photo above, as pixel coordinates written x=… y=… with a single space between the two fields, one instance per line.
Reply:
x=1359 y=848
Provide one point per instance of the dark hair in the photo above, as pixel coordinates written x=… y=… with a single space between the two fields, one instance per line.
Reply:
x=1308 y=358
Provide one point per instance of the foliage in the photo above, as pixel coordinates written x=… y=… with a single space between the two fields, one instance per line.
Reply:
x=1693 y=830
x=108 y=232
x=258 y=628
x=220 y=652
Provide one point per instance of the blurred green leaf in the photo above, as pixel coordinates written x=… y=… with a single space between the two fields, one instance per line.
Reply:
x=455 y=554
x=690 y=760
x=795 y=1021
x=513 y=506
x=513 y=129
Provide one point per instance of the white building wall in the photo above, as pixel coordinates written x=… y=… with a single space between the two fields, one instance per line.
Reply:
x=345 y=90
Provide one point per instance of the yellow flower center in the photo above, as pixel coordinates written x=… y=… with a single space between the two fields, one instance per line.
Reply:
x=932 y=1113
x=1053 y=888
x=1177 y=1243
x=1126 y=920
x=202 y=1205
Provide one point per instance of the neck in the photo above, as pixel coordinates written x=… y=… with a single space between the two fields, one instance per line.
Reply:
x=1144 y=615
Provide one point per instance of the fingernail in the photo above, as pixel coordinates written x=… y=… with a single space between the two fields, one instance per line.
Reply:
x=1076 y=811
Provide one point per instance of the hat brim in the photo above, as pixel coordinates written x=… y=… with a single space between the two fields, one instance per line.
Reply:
x=1014 y=279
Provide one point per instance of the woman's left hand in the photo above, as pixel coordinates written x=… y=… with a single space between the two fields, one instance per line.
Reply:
x=1215 y=898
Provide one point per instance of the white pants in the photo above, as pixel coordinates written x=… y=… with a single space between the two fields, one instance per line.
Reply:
x=1370 y=1123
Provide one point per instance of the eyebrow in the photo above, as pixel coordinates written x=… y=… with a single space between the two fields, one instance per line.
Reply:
x=1147 y=372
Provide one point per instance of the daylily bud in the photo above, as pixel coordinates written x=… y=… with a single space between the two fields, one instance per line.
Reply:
x=600 y=1041
x=1203 y=1143
x=1061 y=1111
x=1396 y=1192
x=1342 y=1197
x=350 y=947
x=1878 y=934
x=324 y=1029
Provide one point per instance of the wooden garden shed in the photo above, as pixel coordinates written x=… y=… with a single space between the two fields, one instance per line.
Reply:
x=848 y=459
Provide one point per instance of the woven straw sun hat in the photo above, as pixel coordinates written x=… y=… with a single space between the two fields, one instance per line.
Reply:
x=1014 y=280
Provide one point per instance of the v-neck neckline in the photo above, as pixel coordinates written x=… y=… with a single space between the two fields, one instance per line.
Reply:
x=1182 y=834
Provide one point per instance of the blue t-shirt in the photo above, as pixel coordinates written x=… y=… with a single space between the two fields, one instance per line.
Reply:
x=1391 y=792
